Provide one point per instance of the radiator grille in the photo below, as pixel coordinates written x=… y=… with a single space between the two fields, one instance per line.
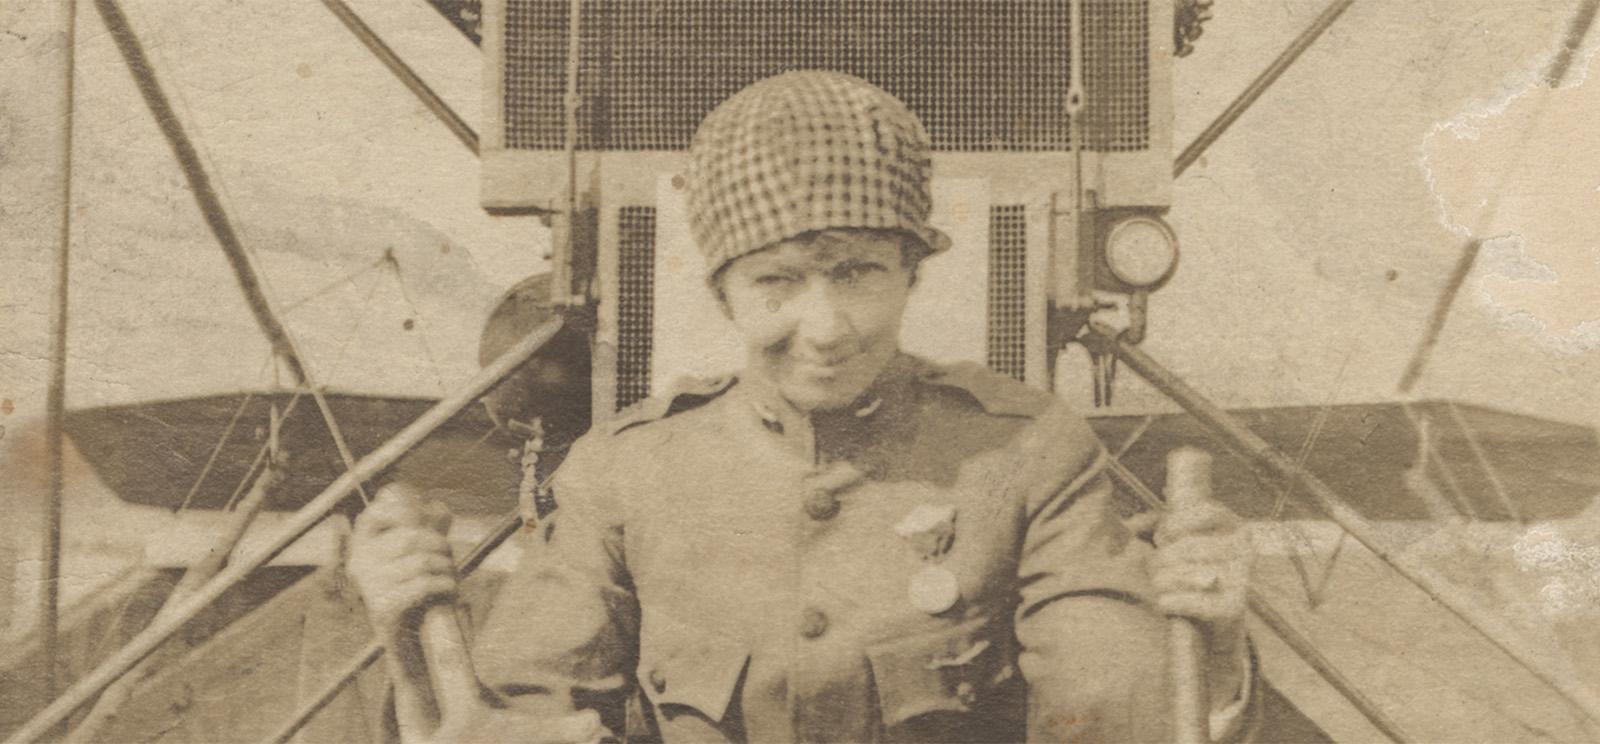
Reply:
x=1008 y=273
x=1117 y=75
x=636 y=258
x=984 y=75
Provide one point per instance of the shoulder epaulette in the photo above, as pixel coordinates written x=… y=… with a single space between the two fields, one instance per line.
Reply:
x=685 y=393
x=997 y=393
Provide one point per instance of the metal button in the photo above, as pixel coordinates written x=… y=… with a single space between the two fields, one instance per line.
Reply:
x=813 y=623
x=768 y=418
x=834 y=477
x=821 y=505
x=966 y=693
x=658 y=680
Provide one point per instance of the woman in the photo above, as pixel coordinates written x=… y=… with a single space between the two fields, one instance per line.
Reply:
x=842 y=542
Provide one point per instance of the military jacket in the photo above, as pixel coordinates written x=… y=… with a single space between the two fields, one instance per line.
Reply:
x=940 y=562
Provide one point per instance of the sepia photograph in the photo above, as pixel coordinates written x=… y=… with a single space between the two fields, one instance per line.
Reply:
x=822 y=371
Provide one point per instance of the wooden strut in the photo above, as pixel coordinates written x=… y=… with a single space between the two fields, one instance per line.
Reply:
x=403 y=72
x=56 y=388
x=1248 y=444
x=1441 y=313
x=1252 y=92
x=1577 y=29
x=143 y=644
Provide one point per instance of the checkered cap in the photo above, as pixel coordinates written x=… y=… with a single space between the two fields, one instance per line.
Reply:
x=805 y=151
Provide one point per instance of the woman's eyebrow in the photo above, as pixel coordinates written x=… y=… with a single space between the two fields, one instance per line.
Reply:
x=856 y=261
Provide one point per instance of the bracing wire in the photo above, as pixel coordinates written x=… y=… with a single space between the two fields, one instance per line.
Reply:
x=1134 y=437
x=1428 y=452
x=336 y=367
x=319 y=292
x=421 y=333
x=1307 y=445
x=1485 y=464
x=197 y=163
x=294 y=400
x=211 y=460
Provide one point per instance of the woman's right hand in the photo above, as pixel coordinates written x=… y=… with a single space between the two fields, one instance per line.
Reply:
x=400 y=560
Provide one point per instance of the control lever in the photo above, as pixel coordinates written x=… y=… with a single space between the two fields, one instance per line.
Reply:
x=1188 y=482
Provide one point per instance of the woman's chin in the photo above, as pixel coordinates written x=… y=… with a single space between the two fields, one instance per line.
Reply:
x=822 y=393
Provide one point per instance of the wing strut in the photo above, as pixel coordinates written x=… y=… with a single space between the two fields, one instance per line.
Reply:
x=403 y=71
x=1259 y=86
x=1582 y=21
x=1328 y=501
x=56 y=393
x=163 y=628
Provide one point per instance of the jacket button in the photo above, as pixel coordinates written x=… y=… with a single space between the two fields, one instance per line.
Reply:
x=813 y=623
x=658 y=680
x=821 y=505
x=966 y=693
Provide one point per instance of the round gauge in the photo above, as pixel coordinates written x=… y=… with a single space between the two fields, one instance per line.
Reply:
x=1141 y=251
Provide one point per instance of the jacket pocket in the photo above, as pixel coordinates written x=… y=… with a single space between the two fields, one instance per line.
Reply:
x=688 y=669
x=951 y=670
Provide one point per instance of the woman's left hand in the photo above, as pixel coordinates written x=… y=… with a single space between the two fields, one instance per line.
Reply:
x=1201 y=571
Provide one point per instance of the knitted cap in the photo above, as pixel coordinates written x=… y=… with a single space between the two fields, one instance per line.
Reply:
x=805 y=151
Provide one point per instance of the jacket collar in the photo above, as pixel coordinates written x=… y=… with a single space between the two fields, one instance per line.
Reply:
x=888 y=395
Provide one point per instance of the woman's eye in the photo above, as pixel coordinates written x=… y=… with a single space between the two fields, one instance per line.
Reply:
x=856 y=272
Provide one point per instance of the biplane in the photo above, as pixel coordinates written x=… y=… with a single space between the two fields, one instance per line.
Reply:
x=1428 y=535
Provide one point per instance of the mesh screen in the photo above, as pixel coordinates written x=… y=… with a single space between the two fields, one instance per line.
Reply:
x=636 y=259
x=984 y=75
x=1116 y=72
x=1008 y=273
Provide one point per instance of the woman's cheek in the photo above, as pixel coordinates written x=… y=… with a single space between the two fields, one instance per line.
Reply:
x=762 y=329
x=880 y=316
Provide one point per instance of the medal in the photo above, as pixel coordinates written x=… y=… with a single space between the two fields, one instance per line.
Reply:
x=934 y=589
x=930 y=529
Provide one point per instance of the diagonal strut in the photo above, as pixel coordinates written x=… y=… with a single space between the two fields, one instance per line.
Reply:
x=1246 y=99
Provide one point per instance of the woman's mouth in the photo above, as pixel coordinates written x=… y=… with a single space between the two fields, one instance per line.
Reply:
x=824 y=367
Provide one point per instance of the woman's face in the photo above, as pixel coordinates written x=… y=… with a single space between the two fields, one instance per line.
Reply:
x=820 y=316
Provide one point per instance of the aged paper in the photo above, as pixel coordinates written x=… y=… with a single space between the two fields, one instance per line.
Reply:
x=287 y=226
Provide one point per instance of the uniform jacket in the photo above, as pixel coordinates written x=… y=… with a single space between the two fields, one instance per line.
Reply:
x=721 y=567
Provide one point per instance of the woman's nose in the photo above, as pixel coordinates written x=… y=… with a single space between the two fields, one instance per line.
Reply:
x=822 y=320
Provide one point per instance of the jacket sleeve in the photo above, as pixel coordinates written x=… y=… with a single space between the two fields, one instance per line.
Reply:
x=1092 y=647
x=563 y=632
